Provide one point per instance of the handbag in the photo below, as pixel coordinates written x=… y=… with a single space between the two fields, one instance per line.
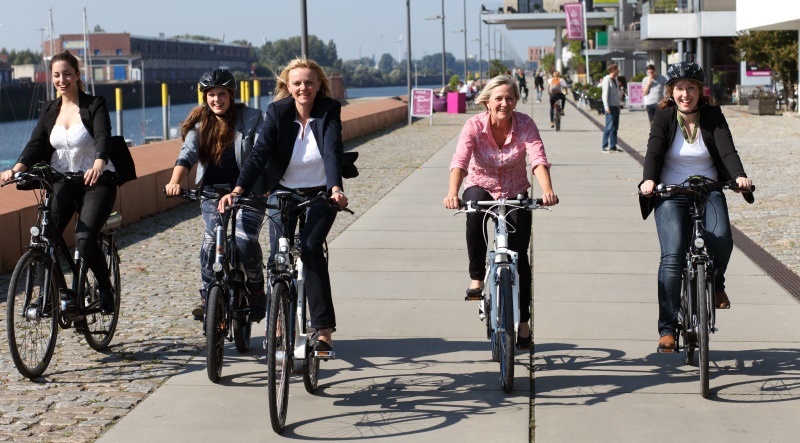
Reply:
x=349 y=169
x=120 y=156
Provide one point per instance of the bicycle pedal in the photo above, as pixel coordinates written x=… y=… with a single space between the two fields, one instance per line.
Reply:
x=325 y=355
x=660 y=350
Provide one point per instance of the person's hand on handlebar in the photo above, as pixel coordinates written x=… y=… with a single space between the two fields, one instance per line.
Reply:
x=549 y=199
x=338 y=196
x=647 y=187
x=227 y=199
x=7 y=175
x=172 y=189
x=744 y=183
x=451 y=202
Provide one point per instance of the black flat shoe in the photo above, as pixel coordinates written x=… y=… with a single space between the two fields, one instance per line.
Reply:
x=474 y=294
x=107 y=301
x=323 y=346
x=524 y=343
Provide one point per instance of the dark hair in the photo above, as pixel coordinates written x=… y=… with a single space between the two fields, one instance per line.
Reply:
x=650 y=66
x=66 y=56
x=667 y=101
x=214 y=134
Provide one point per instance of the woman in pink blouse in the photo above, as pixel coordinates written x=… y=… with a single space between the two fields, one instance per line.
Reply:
x=491 y=156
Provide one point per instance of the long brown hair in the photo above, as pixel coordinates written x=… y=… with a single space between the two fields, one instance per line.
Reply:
x=705 y=100
x=66 y=56
x=282 y=80
x=215 y=133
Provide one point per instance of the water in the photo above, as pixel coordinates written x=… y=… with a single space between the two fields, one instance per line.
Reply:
x=14 y=135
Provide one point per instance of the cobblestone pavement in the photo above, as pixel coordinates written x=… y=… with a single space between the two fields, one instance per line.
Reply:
x=771 y=155
x=84 y=392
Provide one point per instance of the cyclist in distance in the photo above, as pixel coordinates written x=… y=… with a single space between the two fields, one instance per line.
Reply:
x=491 y=153
x=523 y=83
x=73 y=134
x=538 y=83
x=218 y=137
x=557 y=88
x=689 y=136
x=300 y=149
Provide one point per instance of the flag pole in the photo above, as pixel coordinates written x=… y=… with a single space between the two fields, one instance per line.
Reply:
x=586 y=40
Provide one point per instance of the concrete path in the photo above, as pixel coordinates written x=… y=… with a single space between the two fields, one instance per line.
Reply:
x=414 y=363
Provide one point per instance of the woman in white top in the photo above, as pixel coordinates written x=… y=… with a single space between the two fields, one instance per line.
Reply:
x=300 y=148
x=73 y=134
x=557 y=88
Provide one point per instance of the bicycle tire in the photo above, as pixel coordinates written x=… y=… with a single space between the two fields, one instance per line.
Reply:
x=557 y=118
x=215 y=332
x=689 y=339
x=311 y=364
x=703 y=327
x=279 y=362
x=97 y=324
x=505 y=330
x=32 y=342
x=242 y=328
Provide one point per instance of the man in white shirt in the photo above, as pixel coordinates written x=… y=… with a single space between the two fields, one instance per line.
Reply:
x=611 y=105
x=653 y=90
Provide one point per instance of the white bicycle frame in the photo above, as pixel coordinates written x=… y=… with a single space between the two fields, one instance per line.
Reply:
x=501 y=257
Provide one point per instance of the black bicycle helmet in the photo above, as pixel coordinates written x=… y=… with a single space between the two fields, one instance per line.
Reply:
x=685 y=70
x=216 y=78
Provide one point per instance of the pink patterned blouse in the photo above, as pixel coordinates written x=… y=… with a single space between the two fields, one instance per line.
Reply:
x=501 y=171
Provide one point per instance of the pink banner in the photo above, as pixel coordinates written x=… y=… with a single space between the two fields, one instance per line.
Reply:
x=421 y=102
x=574 y=13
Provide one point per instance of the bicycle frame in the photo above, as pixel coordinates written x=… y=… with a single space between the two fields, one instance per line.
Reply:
x=501 y=257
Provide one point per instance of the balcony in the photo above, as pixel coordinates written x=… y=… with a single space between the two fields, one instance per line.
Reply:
x=682 y=19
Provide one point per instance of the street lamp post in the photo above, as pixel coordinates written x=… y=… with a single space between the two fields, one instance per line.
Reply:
x=408 y=56
x=444 y=63
x=303 y=30
x=465 y=41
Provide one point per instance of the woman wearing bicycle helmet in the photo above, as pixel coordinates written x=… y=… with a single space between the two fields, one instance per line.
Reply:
x=74 y=135
x=490 y=160
x=689 y=136
x=300 y=149
x=218 y=137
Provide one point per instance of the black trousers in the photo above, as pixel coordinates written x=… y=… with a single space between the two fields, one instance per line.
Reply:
x=93 y=205
x=518 y=238
x=319 y=220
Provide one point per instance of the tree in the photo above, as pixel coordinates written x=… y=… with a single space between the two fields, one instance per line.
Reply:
x=548 y=62
x=776 y=49
x=98 y=28
x=386 y=64
x=496 y=67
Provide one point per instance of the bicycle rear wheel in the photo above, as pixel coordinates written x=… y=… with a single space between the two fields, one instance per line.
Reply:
x=32 y=322
x=703 y=327
x=505 y=330
x=557 y=118
x=279 y=358
x=311 y=364
x=216 y=328
x=100 y=328
x=689 y=338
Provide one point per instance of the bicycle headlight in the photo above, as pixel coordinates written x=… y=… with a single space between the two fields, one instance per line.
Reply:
x=699 y=243
x=283 y=249
x=217 y=267
x=35 y=231
x=280 y=259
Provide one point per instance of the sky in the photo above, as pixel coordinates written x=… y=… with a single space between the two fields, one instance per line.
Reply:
x=358 y=27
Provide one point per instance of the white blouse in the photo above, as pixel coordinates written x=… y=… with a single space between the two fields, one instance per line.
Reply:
x=74 y=149
x=684 y=159
x=306 y=168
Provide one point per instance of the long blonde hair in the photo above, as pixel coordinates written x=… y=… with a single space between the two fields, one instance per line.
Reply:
x=282 y=80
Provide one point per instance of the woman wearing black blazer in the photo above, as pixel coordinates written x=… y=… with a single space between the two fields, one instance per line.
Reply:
x=74 y=135
x=300 y=148
x=689 y=136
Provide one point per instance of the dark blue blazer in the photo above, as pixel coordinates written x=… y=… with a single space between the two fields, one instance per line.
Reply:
x=273 y=149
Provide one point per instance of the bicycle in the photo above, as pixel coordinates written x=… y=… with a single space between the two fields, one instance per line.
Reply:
x=50 y=288
x=286 y=331
x=557 y=114
x=499 y=307
x=697 y=312
x=227 y=310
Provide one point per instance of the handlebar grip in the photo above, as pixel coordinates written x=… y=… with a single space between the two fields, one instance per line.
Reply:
x=539 y=201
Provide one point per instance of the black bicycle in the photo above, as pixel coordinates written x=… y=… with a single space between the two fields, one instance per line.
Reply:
x=290 y=339
x=227 y=309
x=697 y=313
x=50 y=288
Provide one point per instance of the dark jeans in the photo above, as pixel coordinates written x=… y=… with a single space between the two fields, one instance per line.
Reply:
x=610 y=131
x=93 y=205
x=518 y=239
x=319 y=220
x=674 y=225
x=553 y=98
x=651 y=111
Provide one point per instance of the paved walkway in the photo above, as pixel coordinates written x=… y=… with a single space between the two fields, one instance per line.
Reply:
x=413 y=360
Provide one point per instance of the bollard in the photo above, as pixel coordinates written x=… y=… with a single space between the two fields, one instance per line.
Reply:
x=164 y=111
x=241 y=91
x=118 y=95
x=257 y=94
x=247 y=93
x=199 y=95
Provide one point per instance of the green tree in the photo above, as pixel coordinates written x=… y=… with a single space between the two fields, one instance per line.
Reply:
x=386 y=64
x=776 y=49
x=496 y=67
x=548 y=62
x=98 y=28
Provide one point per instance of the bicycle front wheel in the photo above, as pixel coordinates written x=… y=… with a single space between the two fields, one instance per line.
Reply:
x=32 y=321
x=557 y=119
x=310 y=365
x=100 y=328
x=703 y=327
x=505 y=330
x=279 y=358
x=215 y=332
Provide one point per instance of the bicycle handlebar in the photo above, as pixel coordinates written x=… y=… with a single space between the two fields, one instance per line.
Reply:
x=306 y=201
x=694 y=185
x=43 y=173
x=485 y=205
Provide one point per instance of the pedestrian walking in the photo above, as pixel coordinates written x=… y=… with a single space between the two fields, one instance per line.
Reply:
x=653 y=90
x=611 y=105
x=538 y=82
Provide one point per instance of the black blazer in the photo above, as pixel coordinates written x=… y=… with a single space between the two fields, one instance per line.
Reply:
x=273 y=149
x=716 y=136
x=94 y=115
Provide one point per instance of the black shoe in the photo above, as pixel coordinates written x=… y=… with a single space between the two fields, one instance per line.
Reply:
x=107 y=301
x=523 y=343
x=258 y=306
x=474 y=294
x=323 y=346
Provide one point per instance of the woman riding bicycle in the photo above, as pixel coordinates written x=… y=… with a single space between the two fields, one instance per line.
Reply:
x=218 y=136
x=73 y=134
x=557 y=88
x=491 y=155
x=689 y=136
x=300 y=148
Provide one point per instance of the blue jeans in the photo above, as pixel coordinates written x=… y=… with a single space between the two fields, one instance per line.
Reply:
x=674 y=225
x=610 y=131
x=248 y=225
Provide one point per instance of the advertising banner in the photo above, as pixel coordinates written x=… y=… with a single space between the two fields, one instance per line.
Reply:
x=635 y=97
x=422 y=103
x=574 y=13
